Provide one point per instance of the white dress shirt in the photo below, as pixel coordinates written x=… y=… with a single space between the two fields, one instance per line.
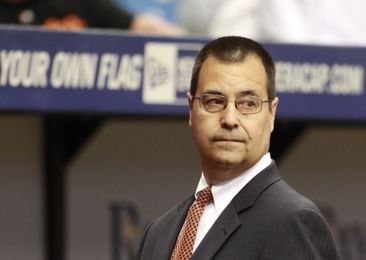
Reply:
x=222 y=194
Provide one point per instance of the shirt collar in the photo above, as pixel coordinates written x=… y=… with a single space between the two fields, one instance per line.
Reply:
x=224 y=192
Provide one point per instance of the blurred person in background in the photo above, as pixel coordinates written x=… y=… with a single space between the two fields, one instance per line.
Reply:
x=218 y=18
x=327 y=22
x=196 y=15
x=79 y=14
x=41 y=12
x=107 y=14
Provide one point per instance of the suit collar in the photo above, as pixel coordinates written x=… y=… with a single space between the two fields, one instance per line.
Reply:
x=173 y=222
x=249 y=194
x=229 y=220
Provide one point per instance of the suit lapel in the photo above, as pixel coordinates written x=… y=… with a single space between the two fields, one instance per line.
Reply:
x=226 y=224
x=229 y=219
x=249 y=194
x=169 y=233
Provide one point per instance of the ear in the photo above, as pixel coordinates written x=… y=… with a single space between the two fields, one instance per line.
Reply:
x=190 y=105
x=274 y=105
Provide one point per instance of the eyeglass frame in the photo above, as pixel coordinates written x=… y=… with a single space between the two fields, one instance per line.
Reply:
x=202 y=106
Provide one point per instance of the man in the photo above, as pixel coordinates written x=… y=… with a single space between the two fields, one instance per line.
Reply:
x=252 y=213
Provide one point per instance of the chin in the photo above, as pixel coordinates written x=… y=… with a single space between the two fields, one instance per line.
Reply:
x=228 y=162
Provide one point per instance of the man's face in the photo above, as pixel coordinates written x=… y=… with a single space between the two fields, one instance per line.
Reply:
x=228 y=141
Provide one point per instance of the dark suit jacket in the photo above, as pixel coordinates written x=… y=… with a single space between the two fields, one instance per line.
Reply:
x=267 y=219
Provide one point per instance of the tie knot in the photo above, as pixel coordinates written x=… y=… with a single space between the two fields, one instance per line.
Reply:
x=204 y=196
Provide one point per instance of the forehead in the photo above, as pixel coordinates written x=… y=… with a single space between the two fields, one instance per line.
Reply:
x=233 y=78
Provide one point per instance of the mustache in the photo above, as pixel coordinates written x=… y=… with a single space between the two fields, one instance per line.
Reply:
x=228 y=137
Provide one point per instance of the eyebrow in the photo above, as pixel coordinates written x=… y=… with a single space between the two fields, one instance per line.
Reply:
x=241 y=93
x=248 y=93
x=215 y=92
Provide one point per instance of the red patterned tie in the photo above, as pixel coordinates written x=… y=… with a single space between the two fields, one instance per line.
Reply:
x=184 y=246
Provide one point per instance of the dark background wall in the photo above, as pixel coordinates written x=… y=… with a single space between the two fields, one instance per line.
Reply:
x=152 y=164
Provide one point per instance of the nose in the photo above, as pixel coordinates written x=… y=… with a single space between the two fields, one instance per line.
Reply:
x=229 y=117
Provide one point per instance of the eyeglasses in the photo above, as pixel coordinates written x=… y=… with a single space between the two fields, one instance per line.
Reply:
x=215 y=103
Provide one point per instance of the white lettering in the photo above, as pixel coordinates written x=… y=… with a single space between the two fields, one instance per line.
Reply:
x=301 y=77
x=25 y=68
x=5 y=64
x=346 y=80
x=117 y=73
x=74 y=70
x=108 y=65
x=185 y=65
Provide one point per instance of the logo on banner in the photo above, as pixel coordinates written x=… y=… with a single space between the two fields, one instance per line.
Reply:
x=167 y=72
x=158 y=72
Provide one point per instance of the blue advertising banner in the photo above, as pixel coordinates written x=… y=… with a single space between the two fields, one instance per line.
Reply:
x=121 y=73
x=320 y=82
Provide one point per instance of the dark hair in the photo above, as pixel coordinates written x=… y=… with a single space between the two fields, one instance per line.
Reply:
x=233 y=49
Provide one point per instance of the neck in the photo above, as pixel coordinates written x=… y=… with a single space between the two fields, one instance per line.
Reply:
x=216 y=174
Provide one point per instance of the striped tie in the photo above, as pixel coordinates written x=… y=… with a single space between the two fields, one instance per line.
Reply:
x=184 y=245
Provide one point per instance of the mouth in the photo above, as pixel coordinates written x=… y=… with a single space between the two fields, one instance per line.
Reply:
x=228 y=139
